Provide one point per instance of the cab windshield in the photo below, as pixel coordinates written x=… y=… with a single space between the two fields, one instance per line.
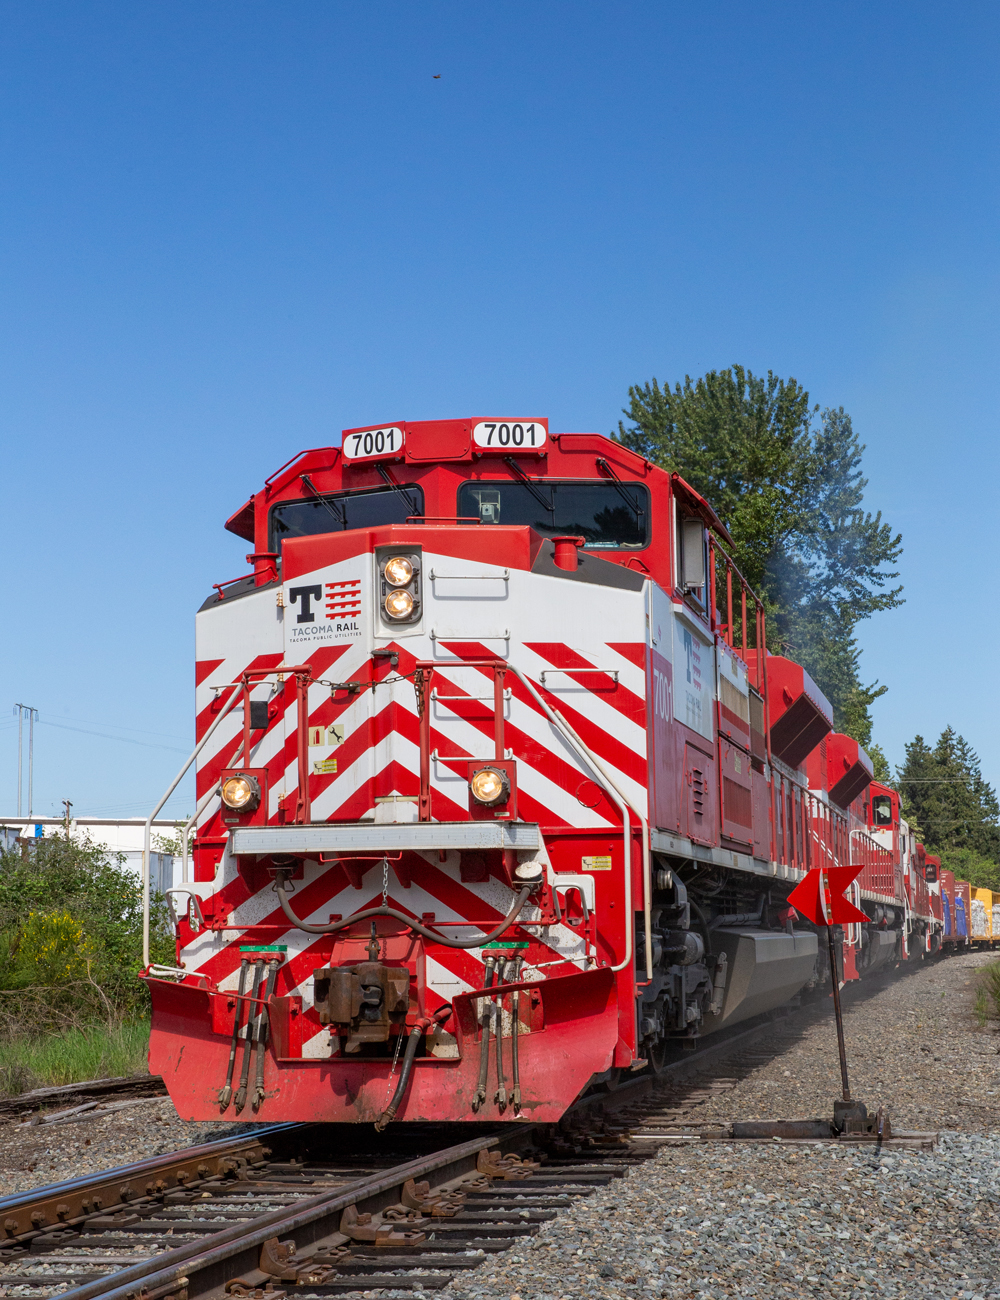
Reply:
x=609 y=515
x=344 y=510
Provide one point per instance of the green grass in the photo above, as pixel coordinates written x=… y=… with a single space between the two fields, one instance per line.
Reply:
x=981 y=1006
x=96 y=1053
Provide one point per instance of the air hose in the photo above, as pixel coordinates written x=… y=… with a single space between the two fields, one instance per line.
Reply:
x=477 y=942
x=412 y=1043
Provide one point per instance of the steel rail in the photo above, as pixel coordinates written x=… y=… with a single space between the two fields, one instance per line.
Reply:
x=110 y=1182
x=237 y=1248
x=202 y=1268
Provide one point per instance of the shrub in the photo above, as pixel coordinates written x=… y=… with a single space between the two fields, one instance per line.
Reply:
x=52 y=949
x=71 y=937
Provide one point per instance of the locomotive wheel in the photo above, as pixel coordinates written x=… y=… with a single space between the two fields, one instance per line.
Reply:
x=657 y=1054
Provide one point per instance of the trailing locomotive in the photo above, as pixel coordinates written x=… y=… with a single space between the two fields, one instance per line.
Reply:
x=498 y=794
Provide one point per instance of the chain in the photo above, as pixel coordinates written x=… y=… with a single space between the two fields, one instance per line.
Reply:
x=388 y=1083
x=385 y=882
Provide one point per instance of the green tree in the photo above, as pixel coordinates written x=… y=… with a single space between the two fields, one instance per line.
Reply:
x=967 y=864
x=786 y=480
x=944 y=791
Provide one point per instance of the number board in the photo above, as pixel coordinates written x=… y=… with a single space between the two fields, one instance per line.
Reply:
x=511 y=435
x=373 y=444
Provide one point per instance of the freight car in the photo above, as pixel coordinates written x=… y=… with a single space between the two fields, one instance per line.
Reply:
x=982 y=932
x=499 y=794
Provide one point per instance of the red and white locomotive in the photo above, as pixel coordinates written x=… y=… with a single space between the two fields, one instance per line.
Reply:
x=497 y=798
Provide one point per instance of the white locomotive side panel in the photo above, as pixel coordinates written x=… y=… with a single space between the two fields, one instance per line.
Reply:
x=694 y=674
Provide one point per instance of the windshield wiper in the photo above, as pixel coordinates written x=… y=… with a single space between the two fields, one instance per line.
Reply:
x=619 y=487
x=535 y=492
x=411 y=505
x=333 y=506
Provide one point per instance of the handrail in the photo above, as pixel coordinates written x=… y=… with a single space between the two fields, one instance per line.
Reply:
x=423 y=676
x=241 y=690
x=624 y=804
x=760 y=630
x=272 y=478
x=147 y=834
x=229 y=583
x=410 y=921
x=443 y=519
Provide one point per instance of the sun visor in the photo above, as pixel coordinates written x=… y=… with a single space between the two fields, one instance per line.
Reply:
x=799 y=713
x=849 y=769
x=241 y=523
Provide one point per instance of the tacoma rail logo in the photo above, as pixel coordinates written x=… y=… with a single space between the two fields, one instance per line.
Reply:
x=329 y=611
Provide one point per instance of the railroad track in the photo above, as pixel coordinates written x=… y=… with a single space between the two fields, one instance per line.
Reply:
x=320 y=1210
x=37 y=1105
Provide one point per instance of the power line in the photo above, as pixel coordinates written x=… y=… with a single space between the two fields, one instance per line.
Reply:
x=115 y=726
x=125 y=740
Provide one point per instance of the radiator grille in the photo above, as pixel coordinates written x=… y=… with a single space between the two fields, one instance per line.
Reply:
x=737 y=802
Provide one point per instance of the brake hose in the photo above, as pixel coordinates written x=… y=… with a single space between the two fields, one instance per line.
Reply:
x=477 y=942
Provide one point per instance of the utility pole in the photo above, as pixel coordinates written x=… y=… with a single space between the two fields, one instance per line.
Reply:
x=67 y=805
x=32 y=715
x=21 y=710
x=17 y=710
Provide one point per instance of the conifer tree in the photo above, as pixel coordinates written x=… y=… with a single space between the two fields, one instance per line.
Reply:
x=786 y=480
x=945 y=794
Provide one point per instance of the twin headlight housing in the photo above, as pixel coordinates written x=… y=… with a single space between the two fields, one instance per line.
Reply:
x=399 y=587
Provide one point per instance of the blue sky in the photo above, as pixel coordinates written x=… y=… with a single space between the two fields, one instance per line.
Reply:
x=228 y=231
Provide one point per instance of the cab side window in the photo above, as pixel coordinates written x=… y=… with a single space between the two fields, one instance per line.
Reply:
x=882 y=810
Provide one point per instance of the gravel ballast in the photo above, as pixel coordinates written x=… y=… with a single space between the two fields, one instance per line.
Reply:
x=706 y=1220
x=32 y=1155
x=710 y=1220
x=715 y=1220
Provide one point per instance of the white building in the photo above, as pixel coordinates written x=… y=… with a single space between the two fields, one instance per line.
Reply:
x=124 y=837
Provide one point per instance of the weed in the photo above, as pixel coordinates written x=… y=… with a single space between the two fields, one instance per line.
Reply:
x=96 y=1052
x=981 y=1006
x=991 y=985
x=15 y=1078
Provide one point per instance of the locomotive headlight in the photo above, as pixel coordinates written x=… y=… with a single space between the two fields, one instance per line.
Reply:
x=241 y=793
x=398 y=571
x=489 y=785
x=399 y=594
x=399 y=604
